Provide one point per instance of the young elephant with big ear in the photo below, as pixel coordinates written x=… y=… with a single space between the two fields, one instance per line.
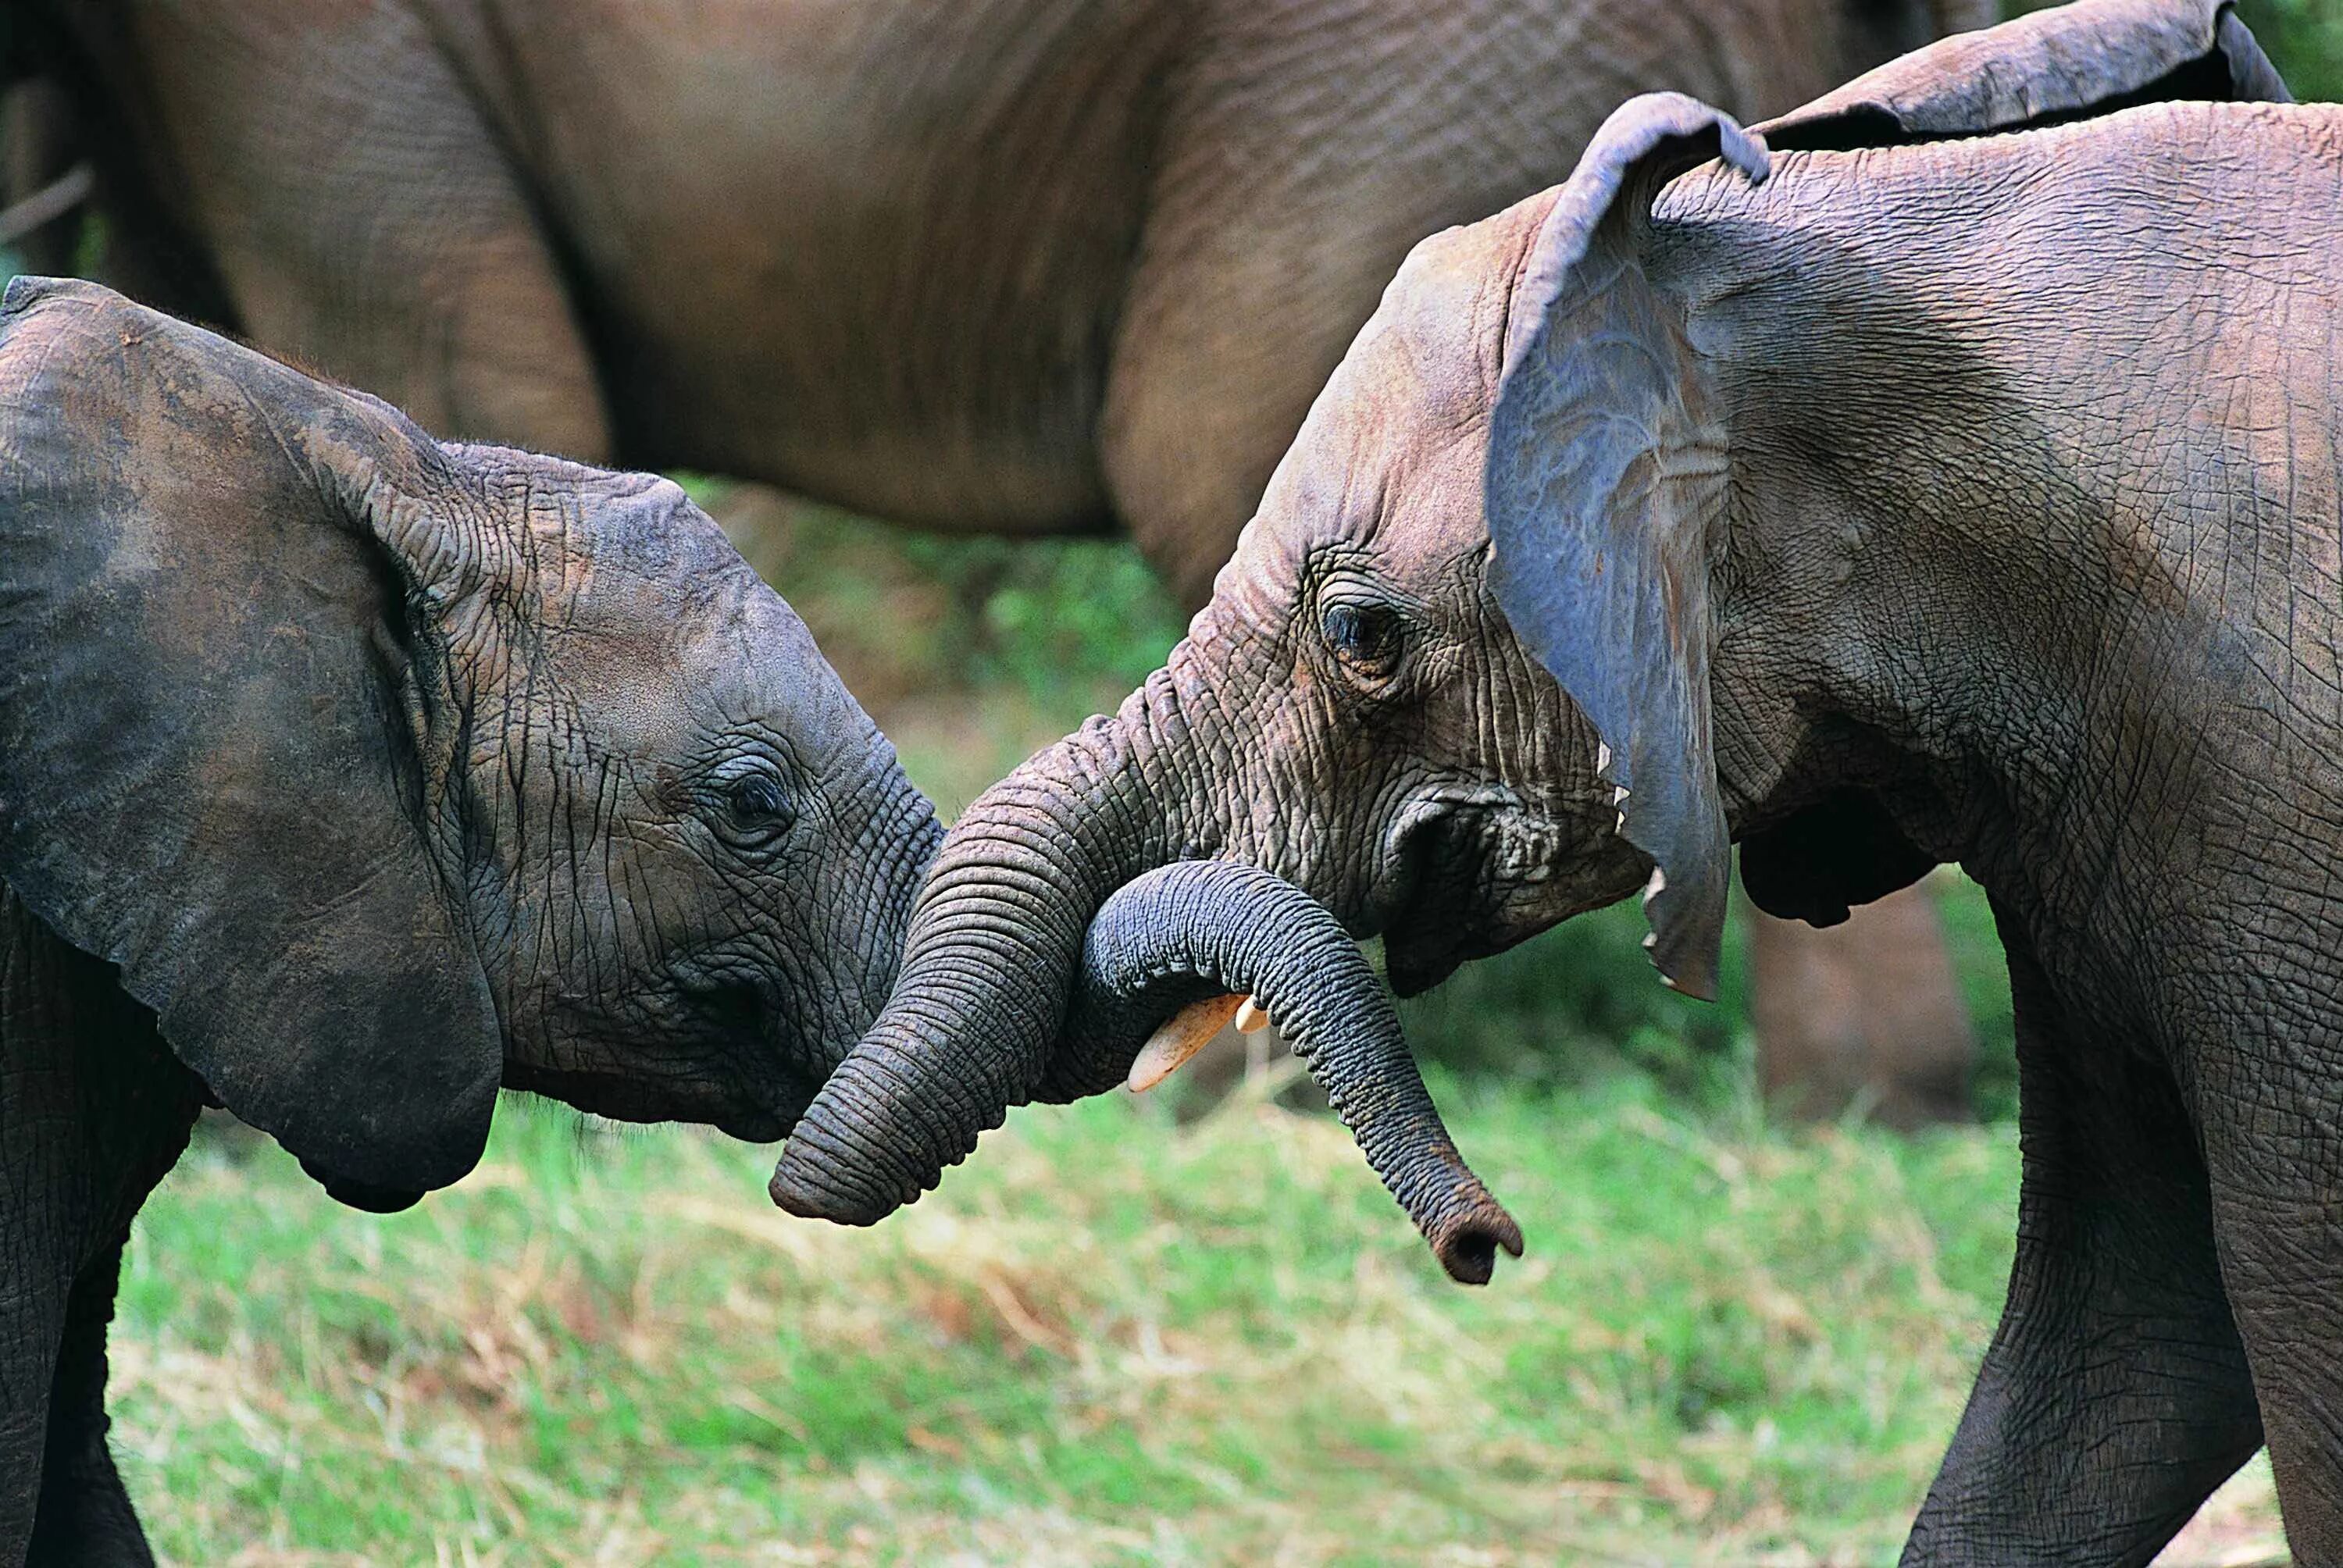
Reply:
x=1958 y=482
x=345 y=775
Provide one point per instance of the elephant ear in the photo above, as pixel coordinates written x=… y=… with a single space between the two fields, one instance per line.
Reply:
x=217 y=662
x=1606 y=468
x=2076 y=62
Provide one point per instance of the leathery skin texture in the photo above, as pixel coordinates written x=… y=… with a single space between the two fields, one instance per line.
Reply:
x=1946 y=472
x=348 y=777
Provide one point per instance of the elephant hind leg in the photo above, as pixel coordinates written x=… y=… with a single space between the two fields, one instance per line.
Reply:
x=84 y=1517
x=2116 y=1395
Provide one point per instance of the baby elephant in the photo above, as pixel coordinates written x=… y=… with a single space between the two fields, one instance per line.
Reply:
x=1950 y=474
x=345 y=775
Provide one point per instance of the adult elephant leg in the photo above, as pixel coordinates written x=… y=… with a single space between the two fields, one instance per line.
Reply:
x=85 y=1518
x=1865 y=1013
x=2115 y=1396
x=425 y=280
x=32 y=1322
x=2274 y=1138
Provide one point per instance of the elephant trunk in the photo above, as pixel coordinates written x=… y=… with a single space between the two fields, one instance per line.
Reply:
x=1203 y=928
x=988 y=964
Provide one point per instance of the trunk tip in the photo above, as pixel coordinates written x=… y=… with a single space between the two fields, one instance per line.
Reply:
x=1467 y=1243
x=792 y=1193
x=804 y=1184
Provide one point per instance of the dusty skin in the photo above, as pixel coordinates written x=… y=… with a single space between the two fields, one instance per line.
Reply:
x=1956 y=481
x=1016 y=267
x=348 y=776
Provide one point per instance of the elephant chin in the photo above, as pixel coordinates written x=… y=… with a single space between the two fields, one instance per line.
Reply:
x=622 y=1097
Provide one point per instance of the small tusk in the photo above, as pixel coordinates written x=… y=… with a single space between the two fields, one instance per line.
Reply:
x=1601 y=758
x=1251 y=1020
x=1655 y=887
x=1181 y=1036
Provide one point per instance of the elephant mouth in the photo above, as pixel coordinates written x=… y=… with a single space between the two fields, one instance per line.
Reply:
x=1454 y=865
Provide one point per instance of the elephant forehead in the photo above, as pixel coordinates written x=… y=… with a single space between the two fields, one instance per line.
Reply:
x=1408 y=409
x=767 y=657
x=1393 y=449
x=1440 y=328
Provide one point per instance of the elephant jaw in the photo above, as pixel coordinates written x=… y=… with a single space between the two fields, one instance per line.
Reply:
x=624 y=1096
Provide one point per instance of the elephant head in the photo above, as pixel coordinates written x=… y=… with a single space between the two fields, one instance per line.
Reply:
x=387 y=771
x=1457 y=681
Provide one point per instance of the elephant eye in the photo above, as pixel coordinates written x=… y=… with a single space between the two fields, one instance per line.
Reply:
x=1365 y=636
x=754 y=809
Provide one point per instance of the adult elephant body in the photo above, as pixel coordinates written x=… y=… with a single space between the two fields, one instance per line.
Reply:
x=1023 y=265
x=1957 y=481
x=1019 y=265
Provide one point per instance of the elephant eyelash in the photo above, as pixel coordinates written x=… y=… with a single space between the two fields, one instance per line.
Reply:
x=749 y=803
x=1368 y=637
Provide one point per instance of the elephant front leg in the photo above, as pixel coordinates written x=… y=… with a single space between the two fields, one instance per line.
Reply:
x=2274 y=1140
x=2115 y=1395
x=34 y=1288
x=84 y=1519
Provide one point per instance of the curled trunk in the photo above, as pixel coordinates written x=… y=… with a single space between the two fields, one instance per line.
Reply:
x=1172 y=937
x=1205 y=928
x=992 y=954
x=1003 y=939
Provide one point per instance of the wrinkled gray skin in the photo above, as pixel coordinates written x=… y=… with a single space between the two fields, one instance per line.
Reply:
x=1023 y=266
x=345 y=775
x=1200 y=929
x=1963 y=491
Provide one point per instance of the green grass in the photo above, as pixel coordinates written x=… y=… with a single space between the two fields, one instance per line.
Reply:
x=1110 y=1339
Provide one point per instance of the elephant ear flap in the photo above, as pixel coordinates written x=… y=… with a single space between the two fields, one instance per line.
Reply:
x=2074 y=62
x=1606 y=468
x=217 y=651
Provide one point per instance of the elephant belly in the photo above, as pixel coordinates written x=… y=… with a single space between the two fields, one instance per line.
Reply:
x=871 y=252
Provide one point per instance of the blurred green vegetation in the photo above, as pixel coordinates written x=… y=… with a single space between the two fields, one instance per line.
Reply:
x=2305 y=41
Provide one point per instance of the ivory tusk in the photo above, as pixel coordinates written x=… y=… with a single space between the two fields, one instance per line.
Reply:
x=1181 y=1036
x=1250 y=1018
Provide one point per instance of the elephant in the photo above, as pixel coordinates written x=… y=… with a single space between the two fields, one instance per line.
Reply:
x=346 y=776
x=1028 y=266
x=1021 y=267
x=1945 y=472
x=980 y=265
